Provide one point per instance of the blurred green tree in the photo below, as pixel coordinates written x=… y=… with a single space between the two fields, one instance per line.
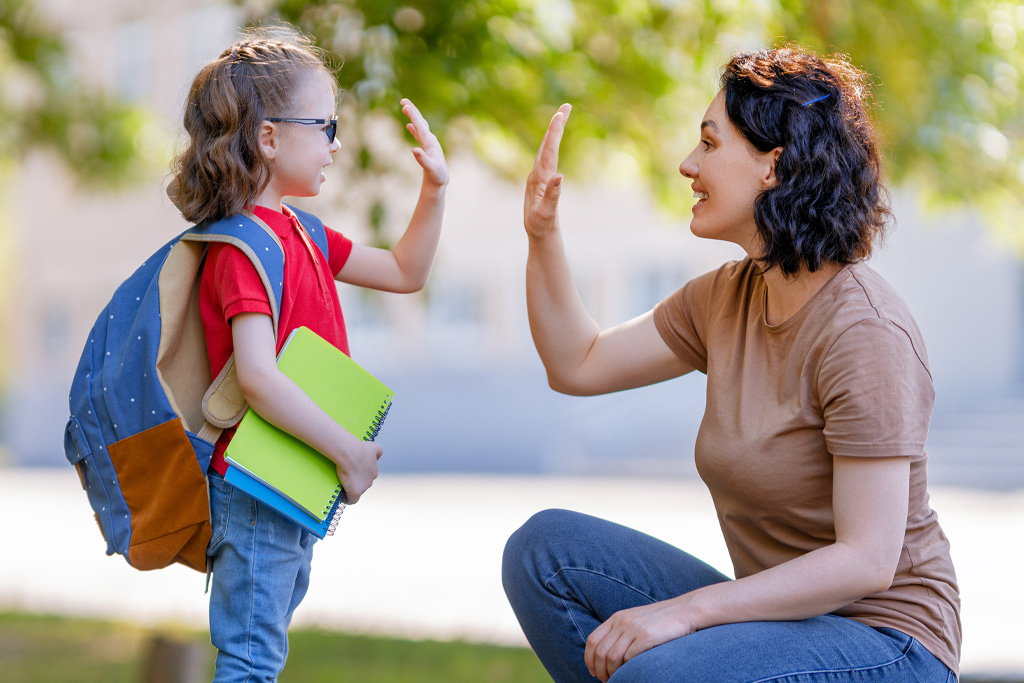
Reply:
x=43 y=103
x=489 y=73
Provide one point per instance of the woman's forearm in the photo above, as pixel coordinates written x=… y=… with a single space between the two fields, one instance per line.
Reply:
x=817 y=583
x=562 y=330
x=869 y=502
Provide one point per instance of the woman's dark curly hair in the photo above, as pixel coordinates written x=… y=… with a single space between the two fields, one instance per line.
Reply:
x=223 y=171
x=829 y=203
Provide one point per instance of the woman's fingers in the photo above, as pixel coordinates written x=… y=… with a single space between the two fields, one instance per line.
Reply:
x=549 y=202
x=547 y=155
x=607 y=652
x=544 y=185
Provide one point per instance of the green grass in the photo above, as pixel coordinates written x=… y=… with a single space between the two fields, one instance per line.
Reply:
x=47 y=648
x=36 y=648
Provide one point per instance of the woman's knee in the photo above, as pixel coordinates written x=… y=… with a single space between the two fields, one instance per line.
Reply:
x=533 y=545
x=543 y=530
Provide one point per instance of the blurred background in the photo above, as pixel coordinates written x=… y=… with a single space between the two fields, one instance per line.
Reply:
x=90 y=109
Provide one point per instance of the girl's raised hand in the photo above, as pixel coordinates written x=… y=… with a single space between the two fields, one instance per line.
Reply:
x=429 y=154
x=543 y=185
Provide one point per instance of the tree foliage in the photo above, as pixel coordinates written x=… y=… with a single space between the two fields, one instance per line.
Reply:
x=44 y=104
x=640 y=73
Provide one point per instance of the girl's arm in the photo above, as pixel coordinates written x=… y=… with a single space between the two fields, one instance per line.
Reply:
x=407 y=267
x=870 y=500
x=281 y=402
x=578 y=356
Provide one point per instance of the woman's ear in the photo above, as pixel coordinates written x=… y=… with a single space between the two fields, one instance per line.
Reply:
x=771 y=158
x=268 y=140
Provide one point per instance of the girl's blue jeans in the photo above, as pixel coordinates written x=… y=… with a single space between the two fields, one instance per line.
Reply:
x=565 y=573
x=261 y=564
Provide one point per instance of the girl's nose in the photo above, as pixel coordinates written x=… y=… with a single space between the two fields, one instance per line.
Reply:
x=335 y=145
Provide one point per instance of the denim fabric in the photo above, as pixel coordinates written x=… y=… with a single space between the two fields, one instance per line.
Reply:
x=565 y=573
x=261 y=565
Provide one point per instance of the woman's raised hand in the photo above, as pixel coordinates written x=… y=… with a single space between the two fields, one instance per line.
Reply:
x=429 y=154
x=544 y=185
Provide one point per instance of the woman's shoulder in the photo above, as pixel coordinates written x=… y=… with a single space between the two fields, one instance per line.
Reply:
x=731 y=279
x=865 y=293
x=865 y=303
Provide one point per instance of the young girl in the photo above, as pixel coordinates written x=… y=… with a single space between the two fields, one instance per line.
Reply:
x=261 y=124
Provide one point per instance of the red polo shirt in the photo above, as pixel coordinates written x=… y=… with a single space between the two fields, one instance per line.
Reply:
x=230 y=285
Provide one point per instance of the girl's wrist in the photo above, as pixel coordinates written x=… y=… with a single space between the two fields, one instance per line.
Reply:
x=434 y=185
x=341 y=454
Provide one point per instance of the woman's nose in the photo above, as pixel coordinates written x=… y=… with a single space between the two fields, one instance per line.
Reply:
x=689 y=167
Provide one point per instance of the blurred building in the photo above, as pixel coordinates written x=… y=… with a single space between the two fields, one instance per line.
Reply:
x=471 y=393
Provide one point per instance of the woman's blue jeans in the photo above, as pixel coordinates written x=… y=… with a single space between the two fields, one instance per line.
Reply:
x=565 y=573
x=261 y=564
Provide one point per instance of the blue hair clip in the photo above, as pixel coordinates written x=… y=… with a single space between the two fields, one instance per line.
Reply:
x=819 y=99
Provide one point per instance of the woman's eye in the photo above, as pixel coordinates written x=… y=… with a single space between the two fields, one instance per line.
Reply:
x=707 y=144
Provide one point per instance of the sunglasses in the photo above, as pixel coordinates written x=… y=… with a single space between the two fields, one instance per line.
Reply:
x=331 y=129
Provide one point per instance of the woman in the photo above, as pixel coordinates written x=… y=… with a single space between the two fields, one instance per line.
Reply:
x=812 y=443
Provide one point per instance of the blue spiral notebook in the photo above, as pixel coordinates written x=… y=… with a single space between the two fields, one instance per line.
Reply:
x=285 y=472
x=270 y=497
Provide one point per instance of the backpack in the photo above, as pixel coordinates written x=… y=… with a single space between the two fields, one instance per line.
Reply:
x=145 y=412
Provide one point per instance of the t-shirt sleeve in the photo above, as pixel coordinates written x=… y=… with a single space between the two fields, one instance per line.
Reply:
x=236 y=286
x=339 y=248
x=681 y=319
x=876 y=393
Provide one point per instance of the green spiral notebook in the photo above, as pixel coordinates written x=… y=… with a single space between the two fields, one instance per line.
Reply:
x=357 y=400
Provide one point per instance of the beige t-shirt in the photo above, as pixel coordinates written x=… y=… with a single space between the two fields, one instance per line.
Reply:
x=846 y=375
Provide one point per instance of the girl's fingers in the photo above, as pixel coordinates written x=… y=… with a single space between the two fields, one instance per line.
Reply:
x=410 y=110
x=422 y=135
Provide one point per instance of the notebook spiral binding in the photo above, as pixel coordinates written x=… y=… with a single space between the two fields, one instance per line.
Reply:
x=337 y=506
x=375 y=426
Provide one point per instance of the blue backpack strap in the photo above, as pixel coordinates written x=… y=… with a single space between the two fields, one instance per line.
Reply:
x=223 y=404
x=314 y=226
x=257 y=241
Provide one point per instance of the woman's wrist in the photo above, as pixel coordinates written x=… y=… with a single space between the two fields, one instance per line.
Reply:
x=695 y=610
x=543 y=235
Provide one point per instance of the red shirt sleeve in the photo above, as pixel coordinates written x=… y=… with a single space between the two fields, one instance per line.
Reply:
x=230 y=285
x=235 y=285
x=339 y=247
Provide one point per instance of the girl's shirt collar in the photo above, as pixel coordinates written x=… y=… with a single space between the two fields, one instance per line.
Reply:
x=280 y=223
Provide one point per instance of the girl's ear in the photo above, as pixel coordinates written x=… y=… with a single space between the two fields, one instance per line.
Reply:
x=770 y=179
x=268 y=140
